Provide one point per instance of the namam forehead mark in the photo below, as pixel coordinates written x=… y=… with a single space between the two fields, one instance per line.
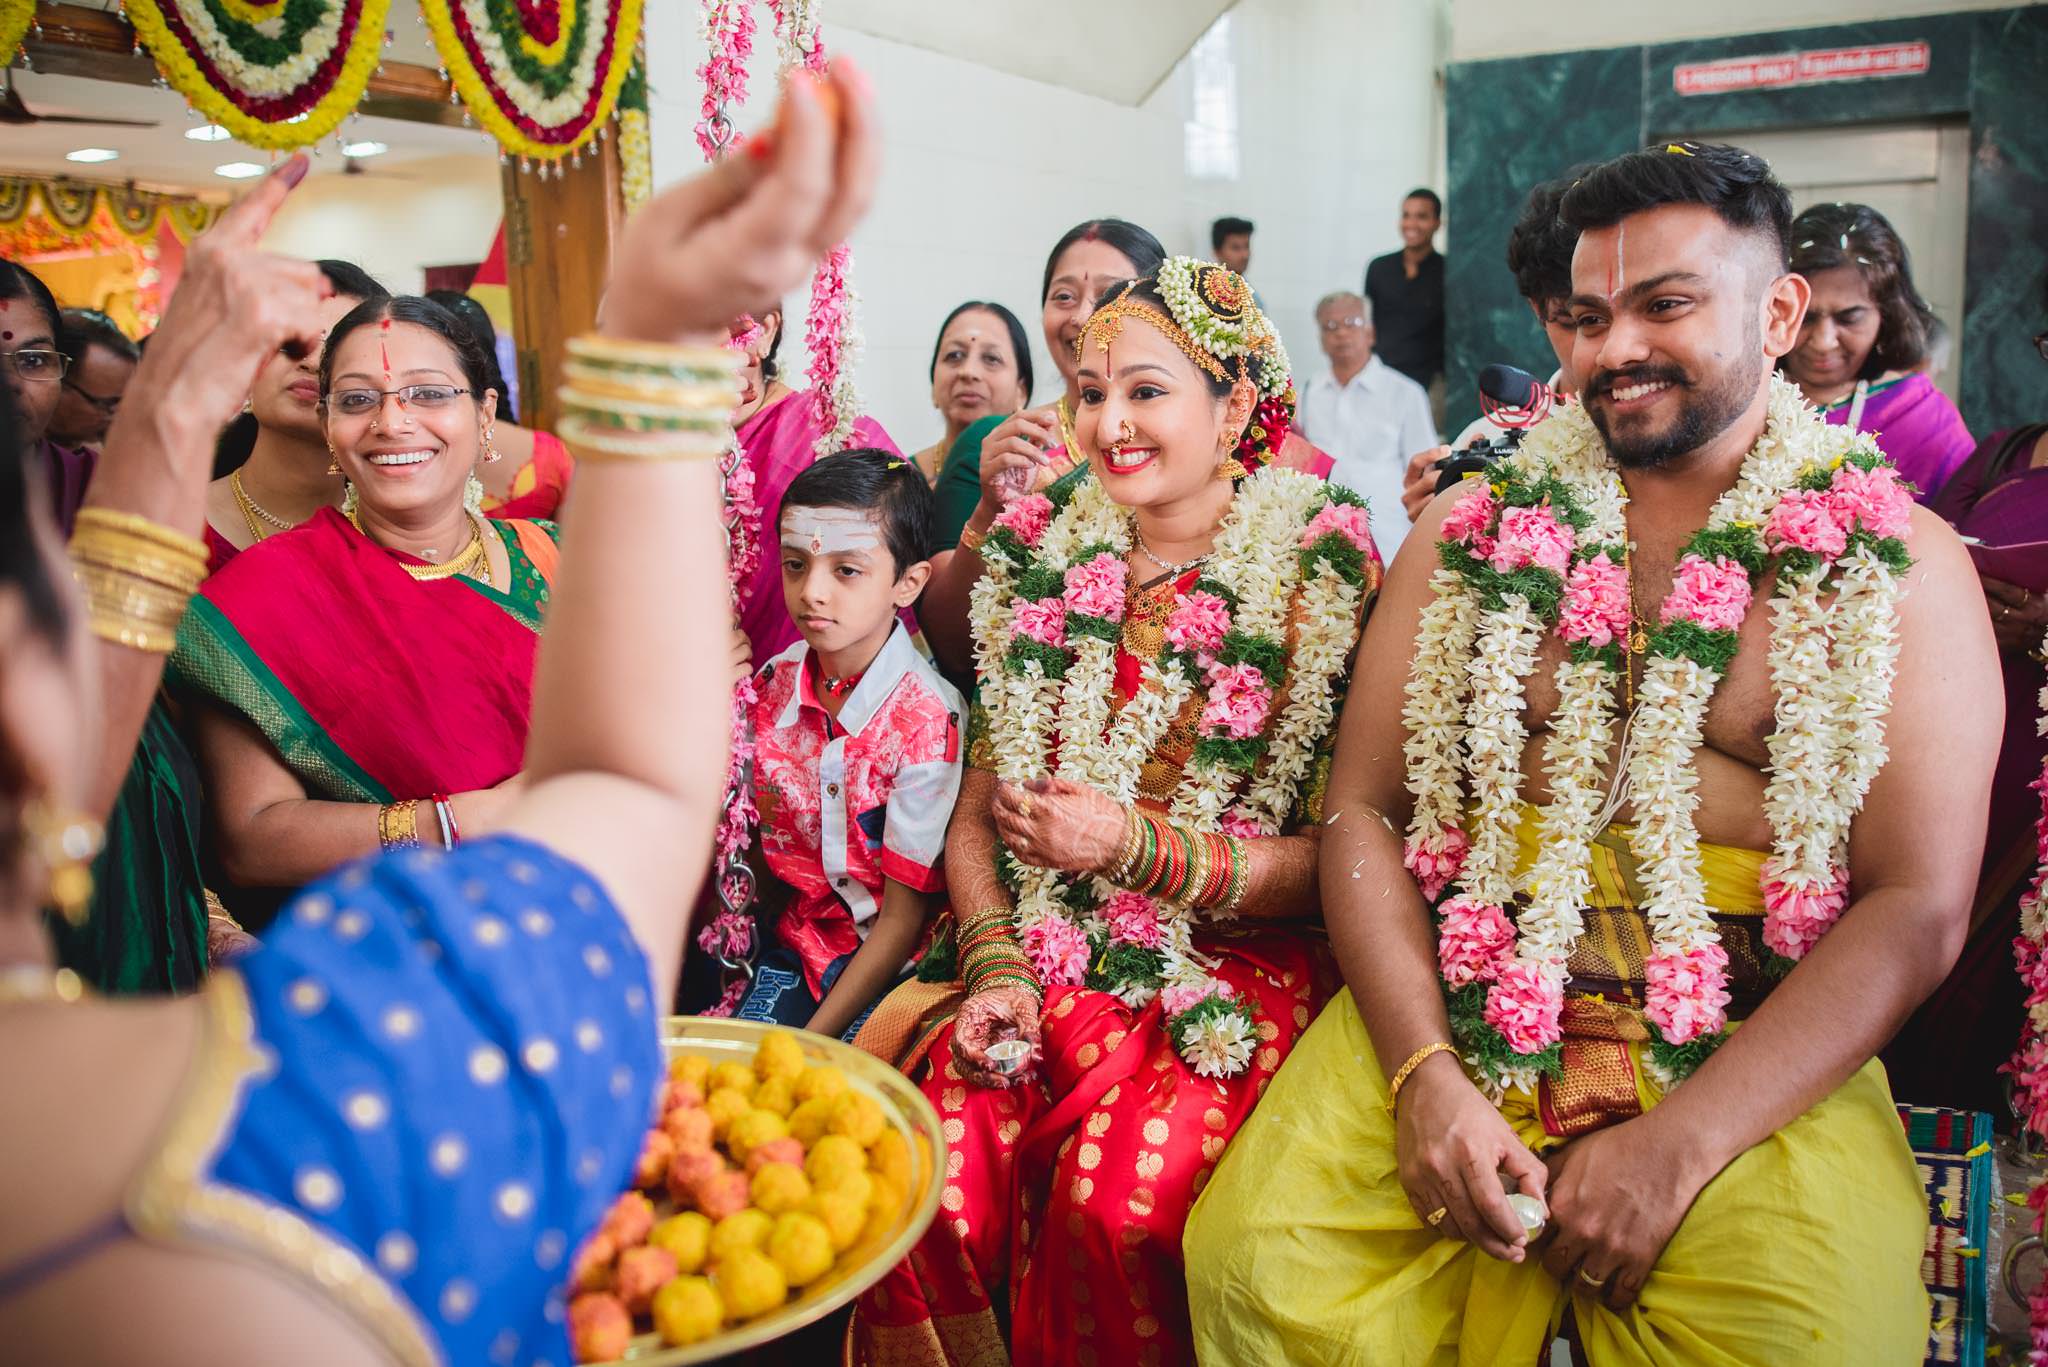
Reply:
x=1681 y=245
x=830 y=531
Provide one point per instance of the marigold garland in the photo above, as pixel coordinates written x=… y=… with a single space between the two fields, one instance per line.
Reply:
x=1047 y=618
x=543 y=88
x=1539 y=547
x=286 y=81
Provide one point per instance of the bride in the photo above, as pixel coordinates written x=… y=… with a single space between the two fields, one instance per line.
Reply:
x=1160 y=651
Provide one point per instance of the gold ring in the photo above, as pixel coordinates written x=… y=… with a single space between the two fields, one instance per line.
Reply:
x=1024 y=806
x=1436 y=1217
x=1592 y=1281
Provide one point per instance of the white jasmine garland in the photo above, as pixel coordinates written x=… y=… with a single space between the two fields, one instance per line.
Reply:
x=1831 y=666
x=1257 y=560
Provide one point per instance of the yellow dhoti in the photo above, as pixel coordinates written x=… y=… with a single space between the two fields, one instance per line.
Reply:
x=1806 y=1249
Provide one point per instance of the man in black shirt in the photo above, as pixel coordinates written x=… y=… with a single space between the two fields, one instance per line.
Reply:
x=1407 y=293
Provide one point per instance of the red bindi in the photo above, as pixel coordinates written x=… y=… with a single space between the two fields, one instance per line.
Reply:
x=6 y=336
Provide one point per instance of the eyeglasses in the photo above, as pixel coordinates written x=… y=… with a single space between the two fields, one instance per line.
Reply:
x=38 y=364
x=1343 y=324
x=107 y=405
x=360 y=403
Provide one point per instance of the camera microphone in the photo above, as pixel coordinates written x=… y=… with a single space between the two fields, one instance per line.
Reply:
x=1513 y=398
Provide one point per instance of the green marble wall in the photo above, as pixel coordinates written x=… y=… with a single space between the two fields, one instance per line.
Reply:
x=1516 y=121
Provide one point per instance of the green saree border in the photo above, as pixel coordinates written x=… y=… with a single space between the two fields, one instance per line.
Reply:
x=214 y=660
x=526 y=612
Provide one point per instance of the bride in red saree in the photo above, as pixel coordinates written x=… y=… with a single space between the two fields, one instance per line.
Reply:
x=367 y=676
x=1161 y=647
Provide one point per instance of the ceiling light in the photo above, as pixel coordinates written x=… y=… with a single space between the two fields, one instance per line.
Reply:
x=238 y=170
x=92 y=154
x=364 y=149
x=208 y=132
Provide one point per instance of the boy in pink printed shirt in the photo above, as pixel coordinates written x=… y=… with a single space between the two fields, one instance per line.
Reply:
x=857 y=747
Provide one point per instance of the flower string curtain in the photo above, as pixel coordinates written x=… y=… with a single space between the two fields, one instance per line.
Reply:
x=275 y=73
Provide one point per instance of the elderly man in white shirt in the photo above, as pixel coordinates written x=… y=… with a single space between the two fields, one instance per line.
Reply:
x=1368 y=416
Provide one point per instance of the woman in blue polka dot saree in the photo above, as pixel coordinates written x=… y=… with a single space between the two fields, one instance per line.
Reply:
x=378 y=1136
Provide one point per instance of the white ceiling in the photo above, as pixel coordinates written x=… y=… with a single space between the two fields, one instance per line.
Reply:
x=1117 y=50
x=163 y=158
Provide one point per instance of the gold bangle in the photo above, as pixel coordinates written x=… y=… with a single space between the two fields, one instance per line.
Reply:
x=592 y=441
x=1127 y=853
x=129 y=611
x=1414 y=1061
x=1240 y=875
x=655 y=358
x=970 y=539
x=135 y=525
x=146 y=564
x=398 y=826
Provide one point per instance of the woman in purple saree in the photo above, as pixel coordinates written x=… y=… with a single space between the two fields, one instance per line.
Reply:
x=1864 y=349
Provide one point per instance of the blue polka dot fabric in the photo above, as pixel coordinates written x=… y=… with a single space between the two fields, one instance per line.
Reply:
x=460 y=1057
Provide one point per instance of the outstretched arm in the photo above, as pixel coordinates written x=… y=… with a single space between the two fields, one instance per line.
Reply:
x=1450 y=1141
x=233 y=308
x=627 y=757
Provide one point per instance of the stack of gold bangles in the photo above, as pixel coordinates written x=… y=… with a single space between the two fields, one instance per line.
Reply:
x=398 y=826
x=138 y=577
x=990 y=955
x=643 y=401
x=1178 y=864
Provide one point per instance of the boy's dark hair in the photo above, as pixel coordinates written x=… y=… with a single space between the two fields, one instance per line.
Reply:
x=1540 y=244
x=1225 y=228
x=1826 y=236
x=1422 y=192
x=1737 y=185
x=871 y=480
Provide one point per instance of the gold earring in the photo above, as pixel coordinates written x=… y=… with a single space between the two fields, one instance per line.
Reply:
x=67 y=848
x=333 y=460
x=491 y=453
x=1232 y=468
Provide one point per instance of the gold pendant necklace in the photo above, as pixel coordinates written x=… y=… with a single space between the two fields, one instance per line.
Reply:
x=473 y=556
x=252 y=510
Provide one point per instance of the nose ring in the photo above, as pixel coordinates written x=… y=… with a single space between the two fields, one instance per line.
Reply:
x=1125 y=432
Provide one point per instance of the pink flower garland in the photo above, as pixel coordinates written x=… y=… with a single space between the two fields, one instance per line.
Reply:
x=2029 y=1063
x=729 y=28
x=1686 y=994
x=1058 y=950
x=1475 y=942
x=1436 y=861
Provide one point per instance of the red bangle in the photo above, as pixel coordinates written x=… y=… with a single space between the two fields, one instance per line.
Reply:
x=445 y=809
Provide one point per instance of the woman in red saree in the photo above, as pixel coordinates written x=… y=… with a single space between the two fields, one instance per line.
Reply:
x=369 y=673
x=1161 y=649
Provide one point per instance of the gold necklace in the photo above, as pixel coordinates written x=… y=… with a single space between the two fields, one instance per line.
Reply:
x=251 y=510
x=472 y=557
x=1638 y=640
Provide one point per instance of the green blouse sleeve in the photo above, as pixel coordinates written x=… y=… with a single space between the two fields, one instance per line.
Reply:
x=959 y=487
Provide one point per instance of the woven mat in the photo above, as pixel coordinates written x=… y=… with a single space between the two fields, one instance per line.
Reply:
x=1953 y=1149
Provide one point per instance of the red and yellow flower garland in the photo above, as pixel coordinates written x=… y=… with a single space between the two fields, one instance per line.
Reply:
x=275 y=73
x=541 y=76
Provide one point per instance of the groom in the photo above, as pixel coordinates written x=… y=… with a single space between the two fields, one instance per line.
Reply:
x=1767 y=1209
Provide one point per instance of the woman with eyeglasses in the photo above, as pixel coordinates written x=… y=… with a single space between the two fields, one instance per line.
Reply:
x=367 y=675
x=272 y=467
x=33 y=366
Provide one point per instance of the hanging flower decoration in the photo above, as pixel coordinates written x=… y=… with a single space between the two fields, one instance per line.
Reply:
x=275 y=73
x=636 y=147
x=541 y=76
x=830 y=336
x=2029 y=1064
x=728 y=29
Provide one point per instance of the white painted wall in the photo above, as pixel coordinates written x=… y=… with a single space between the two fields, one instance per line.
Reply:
x=1339 y=115
x=434 y=211
x=1514 y=28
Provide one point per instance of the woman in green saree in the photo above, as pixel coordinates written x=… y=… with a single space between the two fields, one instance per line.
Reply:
x=366 y=678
